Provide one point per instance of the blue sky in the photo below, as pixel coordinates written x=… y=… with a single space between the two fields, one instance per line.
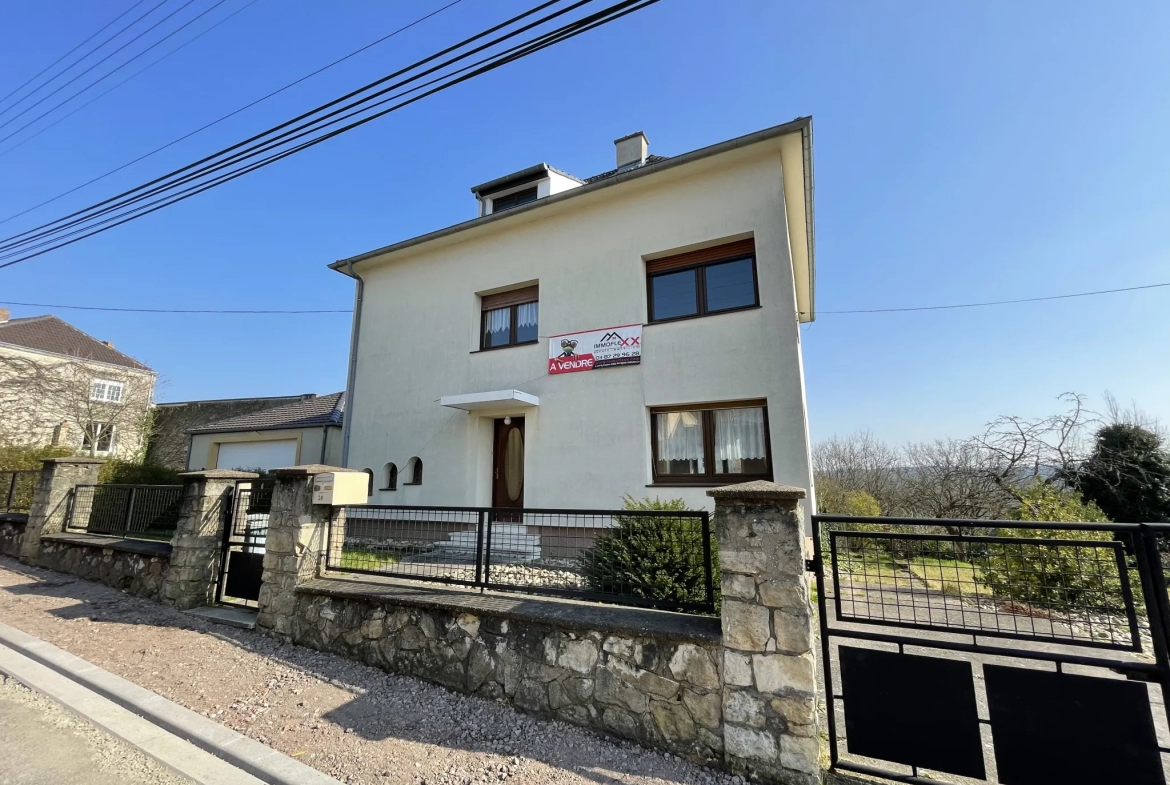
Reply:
x=964 y=152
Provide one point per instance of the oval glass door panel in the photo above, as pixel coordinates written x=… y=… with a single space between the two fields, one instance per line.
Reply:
x=514 y=464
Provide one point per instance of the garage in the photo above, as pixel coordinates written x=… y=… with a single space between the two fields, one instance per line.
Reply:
x=257 y=455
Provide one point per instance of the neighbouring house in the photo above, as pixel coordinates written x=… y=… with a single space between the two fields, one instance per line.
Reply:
x=62 y=387
x=635 y=332
x=173 y=422
x=307 y=430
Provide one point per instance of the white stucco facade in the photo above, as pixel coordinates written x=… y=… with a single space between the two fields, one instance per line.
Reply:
x=588 y=440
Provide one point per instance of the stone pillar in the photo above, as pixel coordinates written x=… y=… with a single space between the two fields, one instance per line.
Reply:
x=197 y=547
x=769 y=674
x=297 y=531
x=50 y=504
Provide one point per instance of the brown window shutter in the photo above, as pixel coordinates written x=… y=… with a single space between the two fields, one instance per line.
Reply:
x=712 y=254
x=529 y=294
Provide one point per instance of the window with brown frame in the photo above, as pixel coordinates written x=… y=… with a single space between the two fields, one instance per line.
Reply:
x=711 y=443
x=500 y=203
x=510 y=318
x=704 y=282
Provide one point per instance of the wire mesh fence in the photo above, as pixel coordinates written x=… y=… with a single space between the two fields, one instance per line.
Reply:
x=17 y=488
x=145 y=512
x=654 y=558
x=1024 y=581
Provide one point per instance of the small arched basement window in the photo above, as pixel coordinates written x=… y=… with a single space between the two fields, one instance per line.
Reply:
x=414 y=470
x=390 y=477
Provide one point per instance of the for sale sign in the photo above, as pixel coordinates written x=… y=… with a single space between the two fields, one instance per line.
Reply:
x=595 y=349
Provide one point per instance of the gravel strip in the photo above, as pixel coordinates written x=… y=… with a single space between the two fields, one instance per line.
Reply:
x=350 y=721
x=44 y=743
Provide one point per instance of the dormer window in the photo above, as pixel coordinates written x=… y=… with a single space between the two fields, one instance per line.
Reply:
x=500 y=203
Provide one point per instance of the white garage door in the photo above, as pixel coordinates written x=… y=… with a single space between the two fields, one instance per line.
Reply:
x=257 y=455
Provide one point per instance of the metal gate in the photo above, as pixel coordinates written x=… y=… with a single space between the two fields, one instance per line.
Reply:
x=245 y=531
x=987 y=651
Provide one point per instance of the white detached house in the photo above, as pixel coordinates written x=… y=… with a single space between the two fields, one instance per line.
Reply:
x=635 y=332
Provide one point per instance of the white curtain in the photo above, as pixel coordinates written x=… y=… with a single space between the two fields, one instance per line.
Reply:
x=739 y=436
x=525 y=315
x=680 y=438
x=498 y=321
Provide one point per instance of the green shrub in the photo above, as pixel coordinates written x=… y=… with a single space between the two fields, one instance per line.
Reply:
x=1059 y=576
x=16 y=459
x=130 y=473
x=654 y=557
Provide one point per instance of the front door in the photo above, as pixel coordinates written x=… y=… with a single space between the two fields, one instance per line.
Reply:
x=508 y=463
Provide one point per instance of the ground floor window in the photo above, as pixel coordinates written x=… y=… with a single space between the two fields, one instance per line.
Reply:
x=98 y=437
x=711 y=443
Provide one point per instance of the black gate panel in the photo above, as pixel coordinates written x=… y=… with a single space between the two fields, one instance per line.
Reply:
x=243 y=575
x=1027 y=653
x=909 y=709
x=245 y=533
x=1071 y=729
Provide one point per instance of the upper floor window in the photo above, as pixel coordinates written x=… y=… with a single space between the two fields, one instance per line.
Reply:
x=510 y=318
x=700 y=283
x=713 y=443
x=107 y=391
x=513 y=199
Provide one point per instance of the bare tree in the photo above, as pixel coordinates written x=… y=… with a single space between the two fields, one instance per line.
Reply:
x=953 y=478
x=863 y=463
x=97 y=410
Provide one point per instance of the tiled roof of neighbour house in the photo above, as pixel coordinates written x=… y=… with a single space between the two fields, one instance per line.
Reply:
x=650 y=161
x=308 y=413
x=49 y=334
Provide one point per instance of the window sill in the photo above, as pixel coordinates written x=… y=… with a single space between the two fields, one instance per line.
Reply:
x=703 y=315
x=509 y=346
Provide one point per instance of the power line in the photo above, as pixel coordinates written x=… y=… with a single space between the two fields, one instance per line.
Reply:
x=149 y=11
x=61 y=87
x=214 y=122
x=106 y=76
x=71 y=51
x=1003 y=302
x=166 y=310
x=350 y=310
x=202 y=168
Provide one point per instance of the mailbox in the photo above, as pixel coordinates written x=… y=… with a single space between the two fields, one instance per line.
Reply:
x=340 y=488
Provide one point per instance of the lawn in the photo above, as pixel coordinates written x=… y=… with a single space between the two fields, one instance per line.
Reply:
x=957 y=578
x=361 y=557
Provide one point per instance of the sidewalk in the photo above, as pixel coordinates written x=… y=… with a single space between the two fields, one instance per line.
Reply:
x=352 y=722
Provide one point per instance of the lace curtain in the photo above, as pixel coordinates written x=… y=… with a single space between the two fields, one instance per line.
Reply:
x=680 y=439
x=739 y=437
x=525 y=315
x=497 y=325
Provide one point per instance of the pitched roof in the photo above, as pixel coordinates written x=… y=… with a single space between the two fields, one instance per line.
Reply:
x=650 y=159
x=308 y=413
x=49 y=334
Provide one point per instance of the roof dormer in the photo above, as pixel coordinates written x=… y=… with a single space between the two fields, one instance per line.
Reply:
x=519 y=188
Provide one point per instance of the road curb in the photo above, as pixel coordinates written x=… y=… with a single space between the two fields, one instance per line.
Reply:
x=261 y=762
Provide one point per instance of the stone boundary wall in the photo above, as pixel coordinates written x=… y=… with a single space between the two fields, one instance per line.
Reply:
x=661 y=692
x=121 y=566
x=12 y=533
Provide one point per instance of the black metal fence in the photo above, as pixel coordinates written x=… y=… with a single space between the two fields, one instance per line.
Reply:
x=995 y=651
x=17 y=488
x=655 y=558
x=144 y=512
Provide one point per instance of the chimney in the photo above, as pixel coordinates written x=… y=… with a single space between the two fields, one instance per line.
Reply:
x=4 y=314
x=108 y=344
x=631 y=150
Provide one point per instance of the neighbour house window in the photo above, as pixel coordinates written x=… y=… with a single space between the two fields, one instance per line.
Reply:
x=509 y=318
x=711 y=443
x=700 y=283
x=414 y=469
x=500 y=203
x=390 y=473
x=98 y=437
x=105 y=390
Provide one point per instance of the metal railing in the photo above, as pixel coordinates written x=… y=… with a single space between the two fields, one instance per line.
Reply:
x=17 y=489
x=144 y=512
x=652 y=558
x=924 y=621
